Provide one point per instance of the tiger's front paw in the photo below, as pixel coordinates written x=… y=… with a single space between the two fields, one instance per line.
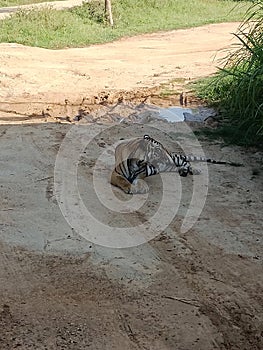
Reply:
x=139 y=187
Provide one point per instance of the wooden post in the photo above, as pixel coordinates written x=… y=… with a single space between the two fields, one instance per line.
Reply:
x=108 y=11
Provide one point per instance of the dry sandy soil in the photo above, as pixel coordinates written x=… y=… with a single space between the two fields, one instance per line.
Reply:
x=200 y=289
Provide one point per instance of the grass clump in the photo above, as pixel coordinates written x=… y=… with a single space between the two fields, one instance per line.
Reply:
x=237 y=89
x=54 y=29
x=85 y=25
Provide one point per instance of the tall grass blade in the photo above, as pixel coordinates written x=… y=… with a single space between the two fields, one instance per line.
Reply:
x=238 y=87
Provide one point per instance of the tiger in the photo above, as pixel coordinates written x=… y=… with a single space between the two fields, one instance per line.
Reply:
x=144 y=156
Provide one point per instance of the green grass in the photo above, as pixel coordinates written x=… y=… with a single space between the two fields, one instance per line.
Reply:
x=10 y=3
x=85 y=25
x=237 y=89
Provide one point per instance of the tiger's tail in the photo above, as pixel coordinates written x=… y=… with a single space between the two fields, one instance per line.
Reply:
x=209 y=160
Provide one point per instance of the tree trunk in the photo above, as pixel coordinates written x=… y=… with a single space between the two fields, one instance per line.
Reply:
x=108 y=11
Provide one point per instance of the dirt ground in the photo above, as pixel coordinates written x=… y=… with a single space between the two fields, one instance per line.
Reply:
x=200 y=289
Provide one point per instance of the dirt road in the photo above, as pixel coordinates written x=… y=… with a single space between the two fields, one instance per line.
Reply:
x=195 y=289
x=59 y=5
x=35 y=79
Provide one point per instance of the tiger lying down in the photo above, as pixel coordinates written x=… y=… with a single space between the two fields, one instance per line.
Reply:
x=142 y=157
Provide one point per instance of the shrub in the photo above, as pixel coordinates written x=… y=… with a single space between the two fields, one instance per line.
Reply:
x=238 y=87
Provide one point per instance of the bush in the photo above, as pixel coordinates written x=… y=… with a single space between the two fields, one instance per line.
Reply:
x=238 y=87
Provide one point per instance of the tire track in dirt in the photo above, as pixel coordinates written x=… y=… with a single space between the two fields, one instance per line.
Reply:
x=226 y=295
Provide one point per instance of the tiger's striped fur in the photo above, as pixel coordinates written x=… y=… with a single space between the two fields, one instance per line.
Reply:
x=142 y=157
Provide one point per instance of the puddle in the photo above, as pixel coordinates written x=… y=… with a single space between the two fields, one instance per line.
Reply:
x=180 y=114
x=175 y=114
